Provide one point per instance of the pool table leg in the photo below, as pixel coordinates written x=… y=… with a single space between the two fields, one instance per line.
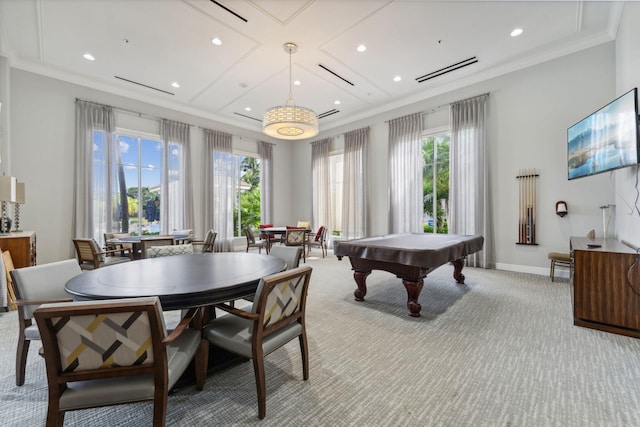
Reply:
x=457 y=270
x=413 y=288
x=361 y=280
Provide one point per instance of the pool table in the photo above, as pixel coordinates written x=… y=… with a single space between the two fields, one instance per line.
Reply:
x=409 y=256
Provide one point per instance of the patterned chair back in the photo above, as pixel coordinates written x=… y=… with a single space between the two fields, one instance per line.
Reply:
x=150 y=242
x=281 y=299
x=295 y=237
x=169 y=250
x=96 y=337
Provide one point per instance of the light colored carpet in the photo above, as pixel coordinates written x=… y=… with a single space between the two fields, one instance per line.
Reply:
x=499 y=351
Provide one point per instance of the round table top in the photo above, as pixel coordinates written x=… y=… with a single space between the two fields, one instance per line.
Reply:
x=137 y=239
x=181 y=281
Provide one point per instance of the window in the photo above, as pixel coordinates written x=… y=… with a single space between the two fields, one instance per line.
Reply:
x=435 y=178
x=237 y=184
x=246 y=207
x=335 y=173
x=128 y=178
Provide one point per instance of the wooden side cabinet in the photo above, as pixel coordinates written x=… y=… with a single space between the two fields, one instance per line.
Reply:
x=22 y=246
x=603 y=296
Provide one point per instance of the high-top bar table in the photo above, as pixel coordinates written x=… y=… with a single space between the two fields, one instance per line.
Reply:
x=409 y=256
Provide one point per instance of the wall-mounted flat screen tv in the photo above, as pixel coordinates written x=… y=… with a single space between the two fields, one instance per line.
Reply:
x=605 y=140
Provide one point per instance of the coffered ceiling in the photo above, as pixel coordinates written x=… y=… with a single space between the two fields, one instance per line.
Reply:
x=141 y=47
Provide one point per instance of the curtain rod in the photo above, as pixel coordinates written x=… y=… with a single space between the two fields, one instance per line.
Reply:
x=135 y=113
x=433 y=109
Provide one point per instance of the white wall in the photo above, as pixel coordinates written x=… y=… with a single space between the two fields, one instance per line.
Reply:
x=530 y=111
x=42 y=121
x=627 y=77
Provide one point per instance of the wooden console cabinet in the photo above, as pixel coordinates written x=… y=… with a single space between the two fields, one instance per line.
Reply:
x=603 y=297
x=22 y=246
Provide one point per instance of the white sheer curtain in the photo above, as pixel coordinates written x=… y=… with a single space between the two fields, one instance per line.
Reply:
x=91 y=217
x=219 y=186
x=265 y=151
x=354 y=191
x=405 y=174
x=176 y=204
x=469 y=204
x=321 y=184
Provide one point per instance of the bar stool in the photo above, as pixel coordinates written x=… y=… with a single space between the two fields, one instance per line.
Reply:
x=560 y=259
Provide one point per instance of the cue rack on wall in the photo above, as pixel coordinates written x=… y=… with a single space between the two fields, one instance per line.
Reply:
x=527 y=183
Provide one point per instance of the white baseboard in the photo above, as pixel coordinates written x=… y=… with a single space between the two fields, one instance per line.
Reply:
x=541 y=271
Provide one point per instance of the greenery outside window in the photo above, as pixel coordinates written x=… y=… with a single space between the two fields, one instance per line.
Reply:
x=246 y=209
x=133 y=169
x=435 y=151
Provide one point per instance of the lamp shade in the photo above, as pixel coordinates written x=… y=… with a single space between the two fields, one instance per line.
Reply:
x=20 y=194
x=290 y=122
x=8 y=185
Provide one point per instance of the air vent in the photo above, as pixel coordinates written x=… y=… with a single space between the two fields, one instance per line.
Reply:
x=229 y=10
x=335 y=74
x=448 y=69
x=144 y=85
x=248 y=117
x=327 y=113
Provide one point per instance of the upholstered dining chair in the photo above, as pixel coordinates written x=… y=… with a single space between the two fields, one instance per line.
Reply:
x=269 y=237
x=125 y=248
x=252 y=242
x=297 y=237
x=110 y=352
x=318 y=240
x=7 y=263
x=289 y=254
x=90 y=256
x=149 y=242
x=276 y=317
x=207 y=245
x=33 y=286
x=169 y=250
x=304 y=224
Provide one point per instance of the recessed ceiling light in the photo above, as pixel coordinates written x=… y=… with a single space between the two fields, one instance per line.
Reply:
x=89 y=57
x=175 y=84
x=247 y=109
x=337 y=102
x=361 y=48
x=297 y=83
x=216 y=41
x=397 y=78
x=516 y=32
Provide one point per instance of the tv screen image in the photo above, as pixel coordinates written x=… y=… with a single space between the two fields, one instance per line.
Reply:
x=605 y=140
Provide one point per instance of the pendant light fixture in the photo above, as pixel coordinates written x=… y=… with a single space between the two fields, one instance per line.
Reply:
x=290 y=121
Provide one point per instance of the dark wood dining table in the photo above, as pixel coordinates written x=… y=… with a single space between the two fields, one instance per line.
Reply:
x=181 y=281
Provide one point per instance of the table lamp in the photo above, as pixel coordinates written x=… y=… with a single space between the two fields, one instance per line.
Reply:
x=20 y=200
x=7 y=194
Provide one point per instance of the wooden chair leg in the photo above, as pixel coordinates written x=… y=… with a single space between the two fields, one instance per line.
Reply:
x=55 y=417
x=305 y=355
x=553 y=267
x=160 y=400
x=21 y=359
x=258 y=369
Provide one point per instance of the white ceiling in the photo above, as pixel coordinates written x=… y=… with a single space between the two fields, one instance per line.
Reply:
x=157 y=42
